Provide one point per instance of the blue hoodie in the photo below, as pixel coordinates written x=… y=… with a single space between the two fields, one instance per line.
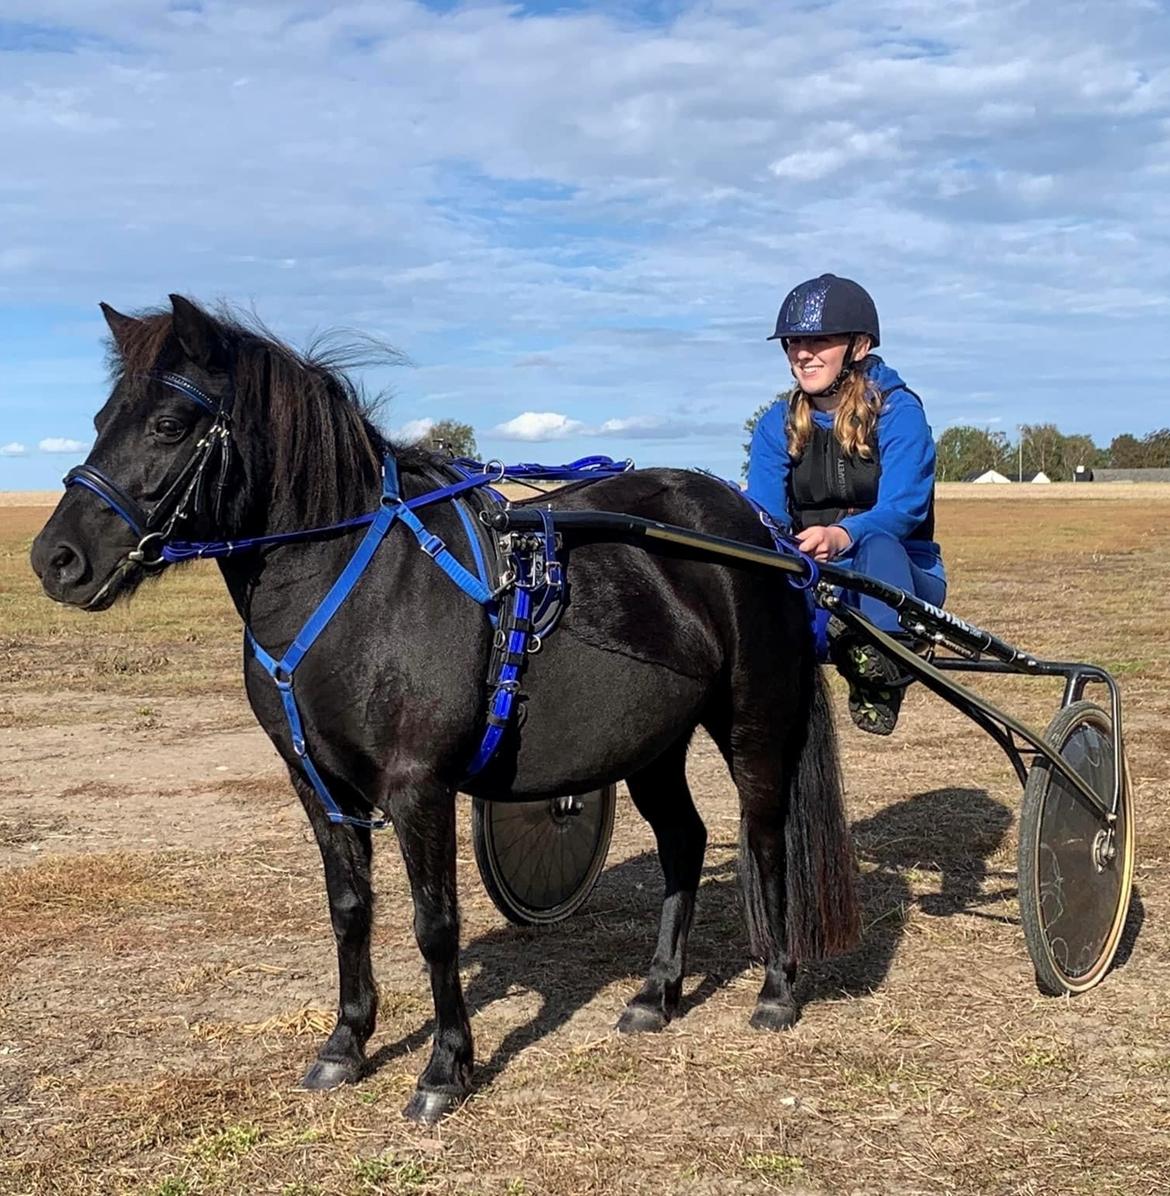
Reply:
x=906 y=452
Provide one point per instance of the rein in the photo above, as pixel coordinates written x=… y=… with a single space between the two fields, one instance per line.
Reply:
x=525 y=604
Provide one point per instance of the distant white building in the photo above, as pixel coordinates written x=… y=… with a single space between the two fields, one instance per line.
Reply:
x=1039 y=476
x=988 y=475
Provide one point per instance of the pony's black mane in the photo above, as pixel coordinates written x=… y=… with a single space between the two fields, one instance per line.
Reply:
x=318 y=425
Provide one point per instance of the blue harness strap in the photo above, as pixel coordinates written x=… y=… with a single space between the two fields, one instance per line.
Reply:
x=534 y=569
x=281 y=671
x=552 y=584
x=438 y=551
x=507 y=680
x=509 y=665
x=475 y=474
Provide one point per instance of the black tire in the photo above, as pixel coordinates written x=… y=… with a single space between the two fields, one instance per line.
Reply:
x=540 y=860
x=1074 y=884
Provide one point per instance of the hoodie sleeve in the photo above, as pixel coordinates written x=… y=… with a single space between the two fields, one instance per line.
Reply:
x=768 y=464
x=906 y=450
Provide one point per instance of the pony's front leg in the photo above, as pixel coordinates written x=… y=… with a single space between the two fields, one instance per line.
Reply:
x=346 y=852
x=424 y=818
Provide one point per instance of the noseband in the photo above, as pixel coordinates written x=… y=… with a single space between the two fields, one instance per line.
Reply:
x=184 y=497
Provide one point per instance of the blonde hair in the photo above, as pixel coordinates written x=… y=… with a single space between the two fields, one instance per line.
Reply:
x=853 y=421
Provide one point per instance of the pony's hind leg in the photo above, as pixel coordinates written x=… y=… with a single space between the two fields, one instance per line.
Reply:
x=762 y=866
x=795 y=858
x=346 y=853
x=424 y=818
x=662 y=797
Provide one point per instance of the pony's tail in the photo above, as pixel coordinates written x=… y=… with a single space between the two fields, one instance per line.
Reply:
x=823 y=914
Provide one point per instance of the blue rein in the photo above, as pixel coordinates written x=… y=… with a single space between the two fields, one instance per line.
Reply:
x=525 y=606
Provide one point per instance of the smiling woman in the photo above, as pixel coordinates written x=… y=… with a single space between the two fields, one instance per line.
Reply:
x=846 y=461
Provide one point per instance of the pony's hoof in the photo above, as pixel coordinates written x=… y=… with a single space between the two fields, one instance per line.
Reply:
x=641 y=1019
x=427 y=1106
x=330 y=1073
x=772 y=1015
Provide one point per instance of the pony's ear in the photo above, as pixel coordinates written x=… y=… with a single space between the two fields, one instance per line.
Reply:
x=198 y=335
x=121 y=326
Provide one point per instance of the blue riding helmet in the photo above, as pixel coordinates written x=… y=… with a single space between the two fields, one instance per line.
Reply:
x=827 y=306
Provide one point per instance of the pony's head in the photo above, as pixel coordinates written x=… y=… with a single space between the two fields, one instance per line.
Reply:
x=213 y=429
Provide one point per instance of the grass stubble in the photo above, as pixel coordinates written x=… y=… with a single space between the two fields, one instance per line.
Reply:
x=157 y=1003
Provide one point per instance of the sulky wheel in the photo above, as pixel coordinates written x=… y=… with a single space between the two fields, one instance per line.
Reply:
x=1075 y=872
x=540 y=860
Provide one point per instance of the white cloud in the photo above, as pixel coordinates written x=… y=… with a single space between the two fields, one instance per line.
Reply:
x=13 y=449
x=837 y=147
x=625 y=200
x=62 y=444
x=538 y=426
x=656 y=427
x=412 y=431
x=633 y=424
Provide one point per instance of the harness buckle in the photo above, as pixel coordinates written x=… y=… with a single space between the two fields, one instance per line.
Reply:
x=507 y=581
x=432 y=545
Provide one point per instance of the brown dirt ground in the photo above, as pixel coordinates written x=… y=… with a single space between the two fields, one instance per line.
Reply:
x=168 y=967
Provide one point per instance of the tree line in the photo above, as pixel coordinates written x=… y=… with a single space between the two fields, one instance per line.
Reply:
x=961 y=451
x=964 y=450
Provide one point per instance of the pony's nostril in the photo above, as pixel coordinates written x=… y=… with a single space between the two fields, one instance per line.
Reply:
x=67 y=562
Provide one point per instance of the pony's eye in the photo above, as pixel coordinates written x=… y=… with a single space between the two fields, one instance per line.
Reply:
x=169 y=429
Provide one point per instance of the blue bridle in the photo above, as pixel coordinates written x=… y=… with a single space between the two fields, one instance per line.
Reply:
x=155 y=526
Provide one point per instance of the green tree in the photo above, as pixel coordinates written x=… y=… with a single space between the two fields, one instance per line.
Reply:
x=963 y=450
x=1157 y=449
x=1043 y=450
x=449 y=435
x=1080 y=450
x=1126 y=452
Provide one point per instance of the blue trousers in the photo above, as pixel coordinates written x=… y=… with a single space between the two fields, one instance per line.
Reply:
x=882 y=556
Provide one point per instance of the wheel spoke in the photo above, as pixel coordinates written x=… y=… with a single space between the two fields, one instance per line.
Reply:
x=538 y=861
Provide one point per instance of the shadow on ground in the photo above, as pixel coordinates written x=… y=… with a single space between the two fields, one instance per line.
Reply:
x=951 y=832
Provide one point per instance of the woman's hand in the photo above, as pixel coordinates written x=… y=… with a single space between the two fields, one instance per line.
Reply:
x=823 y=543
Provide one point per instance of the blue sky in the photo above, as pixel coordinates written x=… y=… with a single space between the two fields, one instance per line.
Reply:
x=577 y=220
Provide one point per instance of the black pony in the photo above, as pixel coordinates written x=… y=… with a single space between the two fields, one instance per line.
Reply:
x=392 y=695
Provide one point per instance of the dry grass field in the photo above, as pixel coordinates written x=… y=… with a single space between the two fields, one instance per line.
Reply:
x=167 y=967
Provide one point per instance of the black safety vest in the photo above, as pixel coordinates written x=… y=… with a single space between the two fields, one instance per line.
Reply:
x=825 y=484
